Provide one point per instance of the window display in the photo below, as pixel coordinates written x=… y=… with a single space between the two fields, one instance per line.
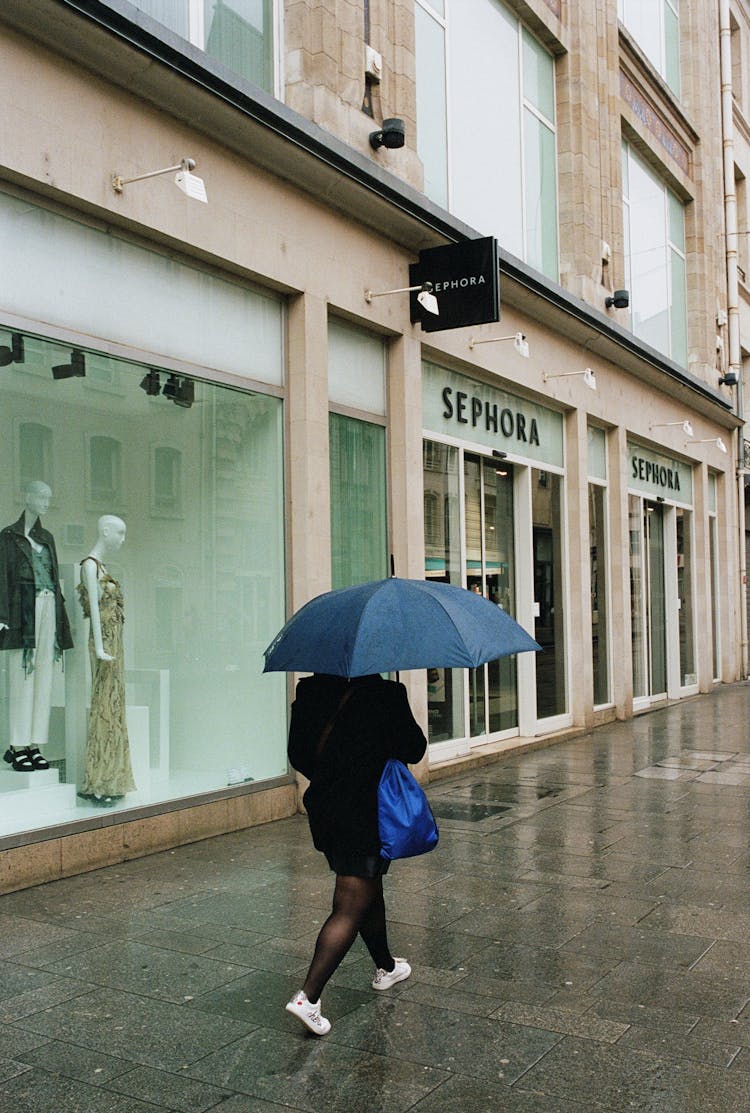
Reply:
x=164 y=531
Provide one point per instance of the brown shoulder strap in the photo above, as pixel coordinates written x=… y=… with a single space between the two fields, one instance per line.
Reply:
x=326 y=732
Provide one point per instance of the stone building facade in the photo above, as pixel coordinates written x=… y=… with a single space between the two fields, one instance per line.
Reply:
x=234 y=379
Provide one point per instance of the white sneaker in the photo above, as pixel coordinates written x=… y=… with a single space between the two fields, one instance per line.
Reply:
x=309 y=1014
x=384 y=979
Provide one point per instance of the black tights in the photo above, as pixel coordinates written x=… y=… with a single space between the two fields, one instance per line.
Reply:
x=358 y=906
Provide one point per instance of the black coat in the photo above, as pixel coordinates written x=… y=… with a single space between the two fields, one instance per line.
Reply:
x=374 y=724
x=18 y=590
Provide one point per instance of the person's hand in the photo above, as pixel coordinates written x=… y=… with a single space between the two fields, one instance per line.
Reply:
x=4 y=626
x=102 y=656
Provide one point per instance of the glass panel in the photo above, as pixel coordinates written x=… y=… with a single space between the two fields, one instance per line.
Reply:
x=486 y=167
x=239 y=33
x=202 y=598
x=34 y=453
x=356 y=368
x=474 y=581
x=678 y=318
x=191 y=315
x=647 y=257
x=676 y=211
x=599 y=562
x=359 y=543
x=549 y=594
x=499 y=586
x=540 y=188
x=538 y=76
x=597 y=452
x=172 y=13
x=432 y=105
x=445 y=687
x=637 y=596
x=642 y=19
x=685 y=595
x=714 y=589
x=657 y=613
x=712 y=493
x=671 y=48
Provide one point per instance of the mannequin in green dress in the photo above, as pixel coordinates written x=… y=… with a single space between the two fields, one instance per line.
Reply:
x=108 y=774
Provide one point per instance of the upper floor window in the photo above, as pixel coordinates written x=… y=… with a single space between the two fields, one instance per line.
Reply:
x=655 y=26
x=486 y=124
x=654 y=241
x=34 y=453
x=238 y=33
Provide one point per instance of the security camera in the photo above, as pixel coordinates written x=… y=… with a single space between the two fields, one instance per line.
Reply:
x=620 y=300
x=392 y=134
x=730 y=379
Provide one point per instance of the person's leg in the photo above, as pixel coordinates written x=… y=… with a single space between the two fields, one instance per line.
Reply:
x=374 y=932
x=352 y=899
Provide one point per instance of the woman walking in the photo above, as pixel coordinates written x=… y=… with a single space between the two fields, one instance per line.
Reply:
x=341 y=735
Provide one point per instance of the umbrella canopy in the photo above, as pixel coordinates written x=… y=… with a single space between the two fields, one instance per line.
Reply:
x=395 y=624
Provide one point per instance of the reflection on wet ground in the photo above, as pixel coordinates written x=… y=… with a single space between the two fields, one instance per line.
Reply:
x=578 y=943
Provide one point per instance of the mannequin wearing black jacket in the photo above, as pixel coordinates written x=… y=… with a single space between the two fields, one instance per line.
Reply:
x=364 y=721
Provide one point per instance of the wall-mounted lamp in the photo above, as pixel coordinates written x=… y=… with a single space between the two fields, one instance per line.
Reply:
x=620 y=299
x=181 y=391
x=717 y=442
x=425 y=297
x=76 y=369
x=589 y=378
x=190 y=184
x=13 y=352
x=500 y=456
x=686 y=427
x=392 y=134
x=730 y=379
x=151 y=383
x=520 y=343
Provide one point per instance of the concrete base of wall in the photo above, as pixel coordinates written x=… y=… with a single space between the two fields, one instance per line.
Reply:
x=52 y=859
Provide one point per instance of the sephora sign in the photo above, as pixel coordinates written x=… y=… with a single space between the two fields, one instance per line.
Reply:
x=465 y=280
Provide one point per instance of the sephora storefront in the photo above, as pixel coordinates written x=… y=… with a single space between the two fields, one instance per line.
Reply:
x=142 y=550
x=494 y=522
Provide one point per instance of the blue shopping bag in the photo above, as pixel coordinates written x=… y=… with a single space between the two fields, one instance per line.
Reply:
x=405 y=821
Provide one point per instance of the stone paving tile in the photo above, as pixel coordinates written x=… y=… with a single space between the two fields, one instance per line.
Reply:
x=451 y=997
x=169 y=1091
x=624 y=1080
x=446 y=1040
x=314 y=1075
x=678 y=1046
x=134 y=967
x=9 y=1069
x=648 y=985
x=149 y=1032
x=464 y=1095
x=669 y=1021
x=585 y=1026
x=66 y=1059
x=640 y=945
x=551 y=968
x=35 y=1091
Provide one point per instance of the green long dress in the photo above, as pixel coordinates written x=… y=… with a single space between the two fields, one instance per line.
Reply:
x=108 y=771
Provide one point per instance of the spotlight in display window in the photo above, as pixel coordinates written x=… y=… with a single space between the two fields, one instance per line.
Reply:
x=13 y=352
x=181 y=391
x=76 y=369
x=151 y=383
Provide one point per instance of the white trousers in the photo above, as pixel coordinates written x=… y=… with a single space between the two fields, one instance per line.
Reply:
x=31 y=696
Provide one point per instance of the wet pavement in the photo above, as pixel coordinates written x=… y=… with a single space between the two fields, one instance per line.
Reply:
x=578 y=942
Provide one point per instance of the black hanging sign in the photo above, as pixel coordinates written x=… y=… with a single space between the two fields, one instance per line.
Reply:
x=465 y=281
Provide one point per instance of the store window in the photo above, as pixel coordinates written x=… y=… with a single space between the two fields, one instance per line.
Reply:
x=238 y=33
x=654 y=238
x=477 y=52
x=186 y=602
x=549 y=594
x=359 y=502
x=599 y=563
x=685 y=604
x=714 y=587
x=655 y=26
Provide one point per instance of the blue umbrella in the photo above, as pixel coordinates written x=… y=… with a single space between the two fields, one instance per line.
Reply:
x=395 y=624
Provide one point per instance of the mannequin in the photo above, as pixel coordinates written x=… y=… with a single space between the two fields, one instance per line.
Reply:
x=34 y=627
x=108 y=774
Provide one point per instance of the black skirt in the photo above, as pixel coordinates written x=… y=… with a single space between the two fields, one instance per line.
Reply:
x=357 y=865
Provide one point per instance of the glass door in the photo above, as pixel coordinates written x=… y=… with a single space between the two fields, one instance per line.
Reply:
x=490 y=571
x=549 y=594
x=648 y=598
